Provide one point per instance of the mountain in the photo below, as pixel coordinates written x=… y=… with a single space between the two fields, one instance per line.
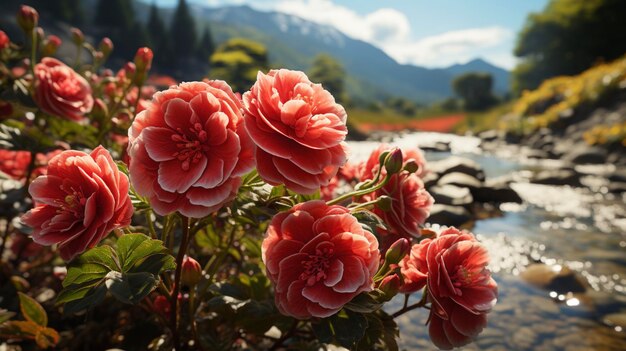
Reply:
x=294 y=42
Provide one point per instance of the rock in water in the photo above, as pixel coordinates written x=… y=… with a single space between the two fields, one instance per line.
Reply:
x=449 y=215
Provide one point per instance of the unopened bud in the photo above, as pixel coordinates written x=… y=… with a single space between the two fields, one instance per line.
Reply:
x=51 y=45
x=384 y=203
x=390 y=285
x=4 y=40
x=191 y=272
x=40 y=34
x=411 y=166
x=100 y=109
x=161 y=305
x=143 y=59
x=106 y=46
x=393 y=163
x=27 y=18
x=397 y=251
x=77 y=36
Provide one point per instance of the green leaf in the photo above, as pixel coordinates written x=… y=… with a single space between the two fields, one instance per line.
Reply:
x=345 y=328
x=32 y=310
x=5 y=315
x=129 y=272
x=365 y=302
x=130 y=287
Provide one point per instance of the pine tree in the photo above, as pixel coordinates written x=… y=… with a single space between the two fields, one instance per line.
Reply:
x=183 y=32
x=158 y=38
x=206 y=47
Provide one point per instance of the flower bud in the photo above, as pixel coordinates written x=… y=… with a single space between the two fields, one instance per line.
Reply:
x=411 y=166
x=106 y=46
x=4 y=40
x=100 y=110
x=384 y=203
x=161 y=305
x=27 y=18
x=77 y=36
x=51 y=45
x=40 y=34
x=397 y=251
x=393 y=163
x=383 y=157
x=143 y=59
x=390 y=285
x=129 y=70
x=191 y=272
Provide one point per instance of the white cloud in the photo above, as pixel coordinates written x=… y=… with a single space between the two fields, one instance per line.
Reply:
x=450 y=47
x=390 y=30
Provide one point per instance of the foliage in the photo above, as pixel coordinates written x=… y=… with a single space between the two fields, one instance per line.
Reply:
x=475 y=90
x=183 y=31
x=330 y=73
x=238 y=61
x=568 y=37
x=197 y=281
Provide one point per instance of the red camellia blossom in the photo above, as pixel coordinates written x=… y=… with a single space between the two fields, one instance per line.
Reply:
x=298 y=128
x=410 y=204
x=460 y=287
x=189 y=149
x=319 y=258
x=81 y=199
x=4 y=40
x=60 y=91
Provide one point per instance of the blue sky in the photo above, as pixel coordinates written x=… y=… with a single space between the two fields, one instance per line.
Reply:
x=431 y=33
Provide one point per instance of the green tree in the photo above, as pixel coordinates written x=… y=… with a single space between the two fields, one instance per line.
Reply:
x=158 y=38
x=183 y=32
x=206 y=46
x=475 y=90
x=568 y=37
x=330 y=73
x=116 y=19
x=237 y=61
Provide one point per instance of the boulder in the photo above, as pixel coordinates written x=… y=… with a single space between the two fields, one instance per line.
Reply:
x=557 y=177
x=496 y=194
x=461 y=180
x=449 y=215
x=457 y=164
x=439 y=146
x=561 y=280
x=584 y=154
x=618 y=176
x=617 y=187
x=489 y=135
x=451 y=195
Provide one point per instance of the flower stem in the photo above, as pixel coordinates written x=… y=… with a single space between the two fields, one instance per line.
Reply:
x=179 y=267
x=405 y=308
x=359 y=192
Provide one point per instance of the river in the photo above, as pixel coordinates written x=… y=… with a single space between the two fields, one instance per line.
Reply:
x=581 y=229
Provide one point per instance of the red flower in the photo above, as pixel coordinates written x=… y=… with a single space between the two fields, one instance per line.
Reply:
x=298 y=128
x=14 y=163
x=60 y=91
x=81 y=199
x=319 y=258
x=4 y=40
x=458 y=330
x=410 y=204
x=189 y=149
x=460 y=287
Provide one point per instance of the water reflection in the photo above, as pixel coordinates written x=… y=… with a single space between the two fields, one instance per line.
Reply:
x=577 y=234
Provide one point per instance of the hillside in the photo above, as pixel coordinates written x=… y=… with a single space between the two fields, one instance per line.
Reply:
x=293 y=42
